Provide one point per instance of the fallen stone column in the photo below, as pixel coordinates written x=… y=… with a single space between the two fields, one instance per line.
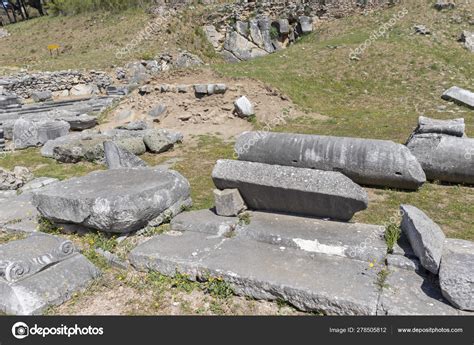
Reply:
x=284 y=189
x=444 y=158
x=366 y=161
x=459 y=96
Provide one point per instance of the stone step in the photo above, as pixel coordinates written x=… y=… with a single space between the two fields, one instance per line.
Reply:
x=329 y=284
x=351 y=240
x=276 y=188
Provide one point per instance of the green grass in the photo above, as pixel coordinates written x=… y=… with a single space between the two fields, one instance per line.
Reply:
x=70 y=7
x=41 y=166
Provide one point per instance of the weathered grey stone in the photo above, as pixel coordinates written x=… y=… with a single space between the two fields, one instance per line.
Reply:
x=12 y=180
x=409 y=293
x=468 y=38
x=444 y=157
x=139 y=125
x=204 y=221
x=117 y=158
x=30 y=134
x=315 y=236
x=117 y=201
x=10 y=101
x=42 y=96
x=456 y=274
x=157 y=142
x=157 y=111
x=283 y=26
x=444 y=4
x=24 y=258
x=460 y=96
x=422 y=30
x=264 y=24
x=17 y=214
x=185 y=60
x=365 y=161
x=400 y=261
x=38 y=183
x=255 y=34
x=213 y=36
x=228 y=202
x=425 y=236
x=200 y=89
x=81 y=122
x=84 y=90
x=454 y=127
x=243 y=107
x=242 y=27
x=330 y=284
x=134 y=145
x=305 y=24
x=293 y=190
x=41 y=271
x=241 y=48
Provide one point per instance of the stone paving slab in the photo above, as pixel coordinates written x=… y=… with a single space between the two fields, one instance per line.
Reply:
x=333 y=285
x=352 y=240
x=409 y=293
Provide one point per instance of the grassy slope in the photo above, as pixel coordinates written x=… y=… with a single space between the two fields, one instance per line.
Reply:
x=398 y=78
x=91 y=40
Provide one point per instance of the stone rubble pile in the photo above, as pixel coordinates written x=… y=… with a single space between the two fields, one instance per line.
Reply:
x=249 y=29
x=61 y=83
x=443 y=150
x=89 y=145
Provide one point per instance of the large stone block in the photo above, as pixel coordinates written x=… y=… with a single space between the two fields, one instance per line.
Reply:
x=425 y=236
x=455 y=127
x=331 y=284
x=444 y=157
x=117 y=158
x=456 y=274
x=315 y=236
x=116 y=201
x=291 y=190
x=40 y=271
x=460 y=96
x=407 y=292
x=366 y=161
x=31 y=133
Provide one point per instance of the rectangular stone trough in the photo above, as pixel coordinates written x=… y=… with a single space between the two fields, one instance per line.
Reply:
x=329 y=284
x=264 y=187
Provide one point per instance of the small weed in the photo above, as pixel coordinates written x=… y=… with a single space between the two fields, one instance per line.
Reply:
x=218 y=288
x=274 y=34
x=392 y=234
x=382 y=278
x=47 y=226
x=244 y=218
x=99 y=240
x=96 y=259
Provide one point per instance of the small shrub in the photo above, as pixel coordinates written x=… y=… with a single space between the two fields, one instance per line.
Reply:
x=244 y=218
x=382 y=278
x=218 y=288
x=392 y=234
x=47 y=226
x=274 y=34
